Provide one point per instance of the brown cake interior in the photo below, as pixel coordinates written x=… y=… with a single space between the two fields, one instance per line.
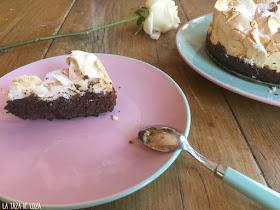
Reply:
x=238 y=65
x=90 y=104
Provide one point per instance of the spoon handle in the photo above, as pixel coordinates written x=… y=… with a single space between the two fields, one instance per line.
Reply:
x=252 y=189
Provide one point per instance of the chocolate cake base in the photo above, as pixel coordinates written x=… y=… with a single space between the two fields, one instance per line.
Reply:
x=239 y=66
x=90 y=104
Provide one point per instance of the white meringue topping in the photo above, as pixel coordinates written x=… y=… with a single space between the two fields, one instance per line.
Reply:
x=85 y=73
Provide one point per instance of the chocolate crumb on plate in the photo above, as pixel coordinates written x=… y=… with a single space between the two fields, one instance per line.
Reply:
x=114 y=117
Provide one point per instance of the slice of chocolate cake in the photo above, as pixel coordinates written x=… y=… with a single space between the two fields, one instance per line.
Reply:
x=84 y=89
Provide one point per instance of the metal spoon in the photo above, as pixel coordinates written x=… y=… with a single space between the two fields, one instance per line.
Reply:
x=166 y=139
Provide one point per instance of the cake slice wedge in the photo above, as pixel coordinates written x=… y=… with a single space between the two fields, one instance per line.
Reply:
x=84 y=89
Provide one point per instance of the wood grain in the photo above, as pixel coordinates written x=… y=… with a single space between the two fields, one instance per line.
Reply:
x=260 y=125
x=12 y=13
x=36 y=18
x=194 y=8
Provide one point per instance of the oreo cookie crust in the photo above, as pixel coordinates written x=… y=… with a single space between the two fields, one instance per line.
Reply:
x=90 y=104
x=238 y=65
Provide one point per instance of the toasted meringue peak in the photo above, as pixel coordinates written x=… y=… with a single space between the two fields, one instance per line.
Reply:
x=271 y=47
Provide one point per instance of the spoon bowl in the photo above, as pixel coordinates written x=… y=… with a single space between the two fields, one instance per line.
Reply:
x=166 y=139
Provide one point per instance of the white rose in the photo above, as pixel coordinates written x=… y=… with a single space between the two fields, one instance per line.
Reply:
x=162 y=17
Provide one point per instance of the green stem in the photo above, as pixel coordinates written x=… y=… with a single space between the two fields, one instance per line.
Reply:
x=4 y=47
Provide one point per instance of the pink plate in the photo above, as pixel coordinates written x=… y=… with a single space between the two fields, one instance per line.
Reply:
x=89 y=161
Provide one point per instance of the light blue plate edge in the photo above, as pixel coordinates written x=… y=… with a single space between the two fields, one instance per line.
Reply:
x=214 y=80
x=136 y=187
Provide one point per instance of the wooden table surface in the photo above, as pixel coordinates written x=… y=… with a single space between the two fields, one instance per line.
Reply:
x=226 y=127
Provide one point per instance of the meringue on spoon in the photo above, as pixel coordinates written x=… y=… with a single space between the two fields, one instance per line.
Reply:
x=166 y=139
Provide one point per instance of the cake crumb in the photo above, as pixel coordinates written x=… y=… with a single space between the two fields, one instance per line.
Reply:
x=86 y=77
x=272 y=89
x=114 y=117
x=4 y=91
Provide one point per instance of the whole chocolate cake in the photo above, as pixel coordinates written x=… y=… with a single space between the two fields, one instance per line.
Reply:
x=84 y=89
x=244 y=37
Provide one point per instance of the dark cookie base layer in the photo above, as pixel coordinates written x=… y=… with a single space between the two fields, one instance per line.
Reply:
x=238 y=65
x=90 y=104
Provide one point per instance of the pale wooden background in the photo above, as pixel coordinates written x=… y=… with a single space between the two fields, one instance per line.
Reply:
x=226 y=128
